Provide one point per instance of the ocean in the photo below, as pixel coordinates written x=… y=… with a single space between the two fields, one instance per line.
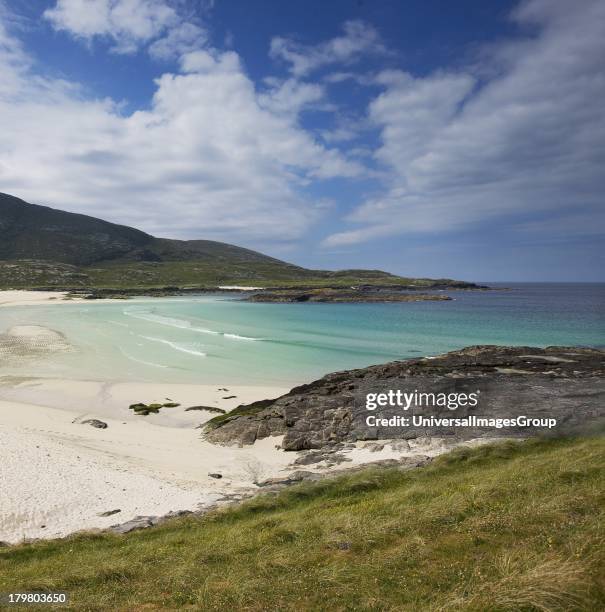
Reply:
x=219 y=339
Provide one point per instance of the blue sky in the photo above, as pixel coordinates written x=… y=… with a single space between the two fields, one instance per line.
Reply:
x=426 y=138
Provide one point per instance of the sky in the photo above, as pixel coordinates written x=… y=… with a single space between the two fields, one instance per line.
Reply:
x=426 y=138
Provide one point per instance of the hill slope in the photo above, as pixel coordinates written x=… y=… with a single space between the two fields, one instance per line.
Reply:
x=45 y=247
x=515 y=526
x=37 y=232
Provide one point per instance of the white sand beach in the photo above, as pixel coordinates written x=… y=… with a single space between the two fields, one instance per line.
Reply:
x=24 y=297
x=60 y=475
x=19 y=297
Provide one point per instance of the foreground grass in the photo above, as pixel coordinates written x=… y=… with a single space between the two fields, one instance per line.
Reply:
x=515 y=526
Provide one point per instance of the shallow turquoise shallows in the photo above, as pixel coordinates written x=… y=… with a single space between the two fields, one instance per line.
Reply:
x=222 y=340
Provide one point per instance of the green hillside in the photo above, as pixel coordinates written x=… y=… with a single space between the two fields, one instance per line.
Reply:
x=44 y=247
x=513 y=526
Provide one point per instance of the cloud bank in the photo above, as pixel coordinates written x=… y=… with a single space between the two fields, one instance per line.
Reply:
x=514 y=140
x=129 y=24
x=462 y=149
x=212 y=156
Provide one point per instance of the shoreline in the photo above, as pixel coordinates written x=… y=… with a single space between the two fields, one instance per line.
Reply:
x=30 y=297
x=62 y=475
x=23 y=297
x=35 y=297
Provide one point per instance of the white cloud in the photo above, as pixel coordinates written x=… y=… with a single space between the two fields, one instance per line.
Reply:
x=514 y=140
x=291 y=96
x=179 y=40
x=529 y=141
x=129 y=24
x=13 y=61
x=210 y=157
x=358 y=38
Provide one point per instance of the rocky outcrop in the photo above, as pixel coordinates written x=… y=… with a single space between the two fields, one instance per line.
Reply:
x=562 y=383
x=340 y=296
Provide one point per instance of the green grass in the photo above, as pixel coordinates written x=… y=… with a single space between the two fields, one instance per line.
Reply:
x=241 y=410
x=514 y=526
x=188 y=274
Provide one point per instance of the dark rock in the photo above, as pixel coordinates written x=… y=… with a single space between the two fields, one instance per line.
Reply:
x=207 y=408
x=346 y=295
x=175 y=514
x=145 y=409
x=310 y=458
x=329 y=455
x=109 y=512
x=142 y=522
x=565 y=383
x=286 y=480
x=138 y=522
x=95 y=423
x=215 y=475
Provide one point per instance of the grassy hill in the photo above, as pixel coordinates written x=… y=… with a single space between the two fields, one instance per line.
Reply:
x=513 y=526
x=44 y=247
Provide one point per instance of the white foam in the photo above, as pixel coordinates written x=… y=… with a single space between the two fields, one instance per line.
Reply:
x=169 y=321
x=238 y=337
x=149 y=363
x=176 y=346
x=202 y=330
x=182 y=324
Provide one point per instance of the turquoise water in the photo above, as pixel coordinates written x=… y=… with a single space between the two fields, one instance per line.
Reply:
x=218 y=339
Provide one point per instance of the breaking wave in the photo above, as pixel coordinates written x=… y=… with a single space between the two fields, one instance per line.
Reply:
x=238 y=337
x=176 y=346
x=169 y=322
x=183 y=324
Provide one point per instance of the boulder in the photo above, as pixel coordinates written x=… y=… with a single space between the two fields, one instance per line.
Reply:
x=95 y=423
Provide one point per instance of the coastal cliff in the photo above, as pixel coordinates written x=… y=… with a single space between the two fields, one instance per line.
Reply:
x=562 y=383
